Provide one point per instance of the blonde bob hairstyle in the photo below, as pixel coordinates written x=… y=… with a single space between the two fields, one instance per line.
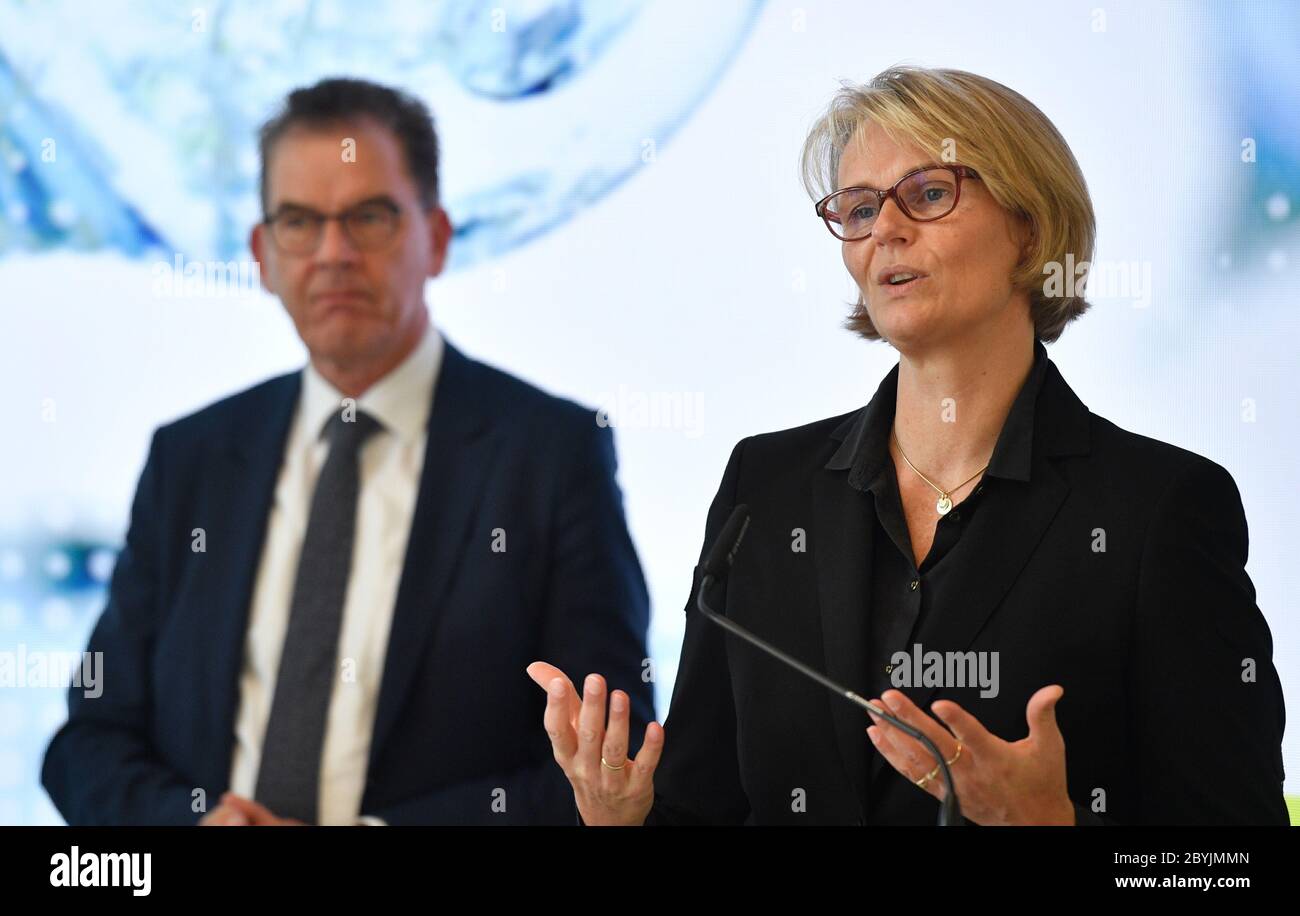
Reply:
x=1022 y=159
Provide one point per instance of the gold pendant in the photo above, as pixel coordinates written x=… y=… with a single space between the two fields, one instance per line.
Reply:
x=944 y=504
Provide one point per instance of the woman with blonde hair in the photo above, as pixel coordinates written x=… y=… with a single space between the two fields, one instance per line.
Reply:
x=1060 y=606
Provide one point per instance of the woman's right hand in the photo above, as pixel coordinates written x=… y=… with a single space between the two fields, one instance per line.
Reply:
x=617 y=791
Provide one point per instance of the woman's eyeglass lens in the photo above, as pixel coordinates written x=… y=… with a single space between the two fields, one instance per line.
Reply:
x=925 y=195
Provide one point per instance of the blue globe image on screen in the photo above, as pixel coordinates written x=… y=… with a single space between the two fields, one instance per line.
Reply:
x=142 y=140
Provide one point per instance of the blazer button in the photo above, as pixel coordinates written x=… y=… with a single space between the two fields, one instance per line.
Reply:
x=916 y=583
x=888 y=668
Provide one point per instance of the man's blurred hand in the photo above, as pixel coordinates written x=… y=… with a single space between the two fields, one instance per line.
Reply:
x=237 y=811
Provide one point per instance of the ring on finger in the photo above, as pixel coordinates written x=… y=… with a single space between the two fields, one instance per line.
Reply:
x=606 y=764
x=930 y=775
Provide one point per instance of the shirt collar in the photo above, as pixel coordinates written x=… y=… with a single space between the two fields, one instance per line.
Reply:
x=865 y=434
x=400 y=401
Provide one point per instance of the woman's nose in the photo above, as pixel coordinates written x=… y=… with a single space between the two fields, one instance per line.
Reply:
x=891 y=223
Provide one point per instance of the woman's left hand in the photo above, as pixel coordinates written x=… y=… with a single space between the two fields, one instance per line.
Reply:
x=998 y=782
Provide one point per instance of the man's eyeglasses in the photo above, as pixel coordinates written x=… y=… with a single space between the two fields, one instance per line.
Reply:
x=369 y=225
x=923 y=194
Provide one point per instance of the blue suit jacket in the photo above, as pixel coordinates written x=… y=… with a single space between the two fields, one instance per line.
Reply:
x=458 y=719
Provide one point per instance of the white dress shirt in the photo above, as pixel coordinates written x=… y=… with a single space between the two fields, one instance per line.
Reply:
x=391 y=463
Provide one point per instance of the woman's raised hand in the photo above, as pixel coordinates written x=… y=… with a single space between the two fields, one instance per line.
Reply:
x=610 y=789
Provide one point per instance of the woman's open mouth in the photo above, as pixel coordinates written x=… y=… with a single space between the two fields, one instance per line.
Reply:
x=903 y=287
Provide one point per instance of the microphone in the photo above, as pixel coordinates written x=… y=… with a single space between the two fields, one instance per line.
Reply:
x=717 y=566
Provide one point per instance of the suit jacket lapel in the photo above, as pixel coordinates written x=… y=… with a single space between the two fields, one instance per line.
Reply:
x=243 y=477
x=996 y=548
x=457 y=465
x=1004 y=532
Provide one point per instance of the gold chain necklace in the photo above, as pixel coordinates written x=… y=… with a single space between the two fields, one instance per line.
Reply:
x=945 y=502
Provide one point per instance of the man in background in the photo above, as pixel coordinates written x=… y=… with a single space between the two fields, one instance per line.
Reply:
x=333 y=581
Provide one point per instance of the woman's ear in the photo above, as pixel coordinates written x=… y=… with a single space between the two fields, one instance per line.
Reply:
x=1027 y=234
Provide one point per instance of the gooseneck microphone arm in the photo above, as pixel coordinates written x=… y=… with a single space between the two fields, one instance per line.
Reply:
x=717 y=566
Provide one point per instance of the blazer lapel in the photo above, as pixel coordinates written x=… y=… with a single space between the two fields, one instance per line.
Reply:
x=1003 y=534
x=244 y=477
x=457 y=465
x=1002 y=537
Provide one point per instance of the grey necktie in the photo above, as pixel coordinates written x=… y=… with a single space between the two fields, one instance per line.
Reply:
x=288 y=780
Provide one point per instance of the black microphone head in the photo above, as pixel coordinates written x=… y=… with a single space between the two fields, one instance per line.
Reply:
x=717 y=563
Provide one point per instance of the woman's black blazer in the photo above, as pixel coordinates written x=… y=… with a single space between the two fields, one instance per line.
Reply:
x=1172 y=712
